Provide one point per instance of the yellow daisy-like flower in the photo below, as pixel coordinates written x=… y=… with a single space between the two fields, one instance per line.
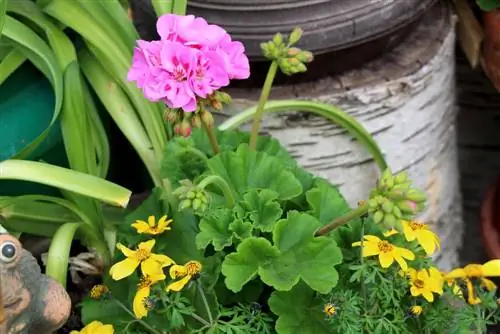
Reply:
x=139 y=304
x=150 y=263
x=151 y=226
x=186 y=272
x=95 y=327
x=479 y=272
x=416 y=310
x=414 y=230
x=387 y=252
x=423 y=284
x=330 y=310
x=98 y=291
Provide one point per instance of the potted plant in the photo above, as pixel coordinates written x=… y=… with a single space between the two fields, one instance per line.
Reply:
x=240 y=239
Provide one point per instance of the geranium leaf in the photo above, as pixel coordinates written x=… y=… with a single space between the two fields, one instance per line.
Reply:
x=179 y=162
x=298 y=311
x=247 y=169
x=241 y=229
x=261 y=207
x=214 y=229
x=302 y=256
x=326 y=202
x=243 y=265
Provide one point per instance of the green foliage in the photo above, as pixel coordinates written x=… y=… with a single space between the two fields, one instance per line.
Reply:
x=488 y=5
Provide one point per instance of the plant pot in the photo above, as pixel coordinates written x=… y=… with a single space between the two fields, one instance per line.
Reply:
x=342 y=34
x=490 y=220
x=491 y=48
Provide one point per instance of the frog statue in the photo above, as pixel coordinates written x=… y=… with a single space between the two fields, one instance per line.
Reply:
x=33 y=303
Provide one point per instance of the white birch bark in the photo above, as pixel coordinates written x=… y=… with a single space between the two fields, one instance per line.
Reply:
x=406 y=100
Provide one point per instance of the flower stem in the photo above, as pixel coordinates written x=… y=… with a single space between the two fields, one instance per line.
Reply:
x=205 y=302
x=138 y=320
x=209 y=129
x=179 y=7
x=356 y=213
x=363 y=287
x=222 y=185
x=264 y=96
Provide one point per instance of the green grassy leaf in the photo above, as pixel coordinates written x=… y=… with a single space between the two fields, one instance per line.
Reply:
x=298 y=311
x=247 y=169
x=3 y=14
x=261 y=208
x=39 y=53
x=10 y=63
x=326 y=202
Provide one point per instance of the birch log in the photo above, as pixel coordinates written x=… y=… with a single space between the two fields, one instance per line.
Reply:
x=406 y=100
x=479 y=150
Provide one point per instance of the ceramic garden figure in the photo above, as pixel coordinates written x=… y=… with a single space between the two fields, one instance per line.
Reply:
x=32 y=302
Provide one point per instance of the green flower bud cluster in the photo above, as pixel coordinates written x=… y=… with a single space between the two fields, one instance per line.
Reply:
x=191 y=196
x=394 y=200
x=290 y=59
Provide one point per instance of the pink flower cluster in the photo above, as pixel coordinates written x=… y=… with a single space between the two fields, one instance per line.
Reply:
x=193 y=59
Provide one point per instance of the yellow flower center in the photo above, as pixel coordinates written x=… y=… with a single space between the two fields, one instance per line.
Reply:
x=416 y=226
x=330 y=310
x=418 y=283
x=97 y=291
x=145 y=282
x=193 y=268
x=142 y=254
x=416 y=310
x=385 y=246
x=474 y=270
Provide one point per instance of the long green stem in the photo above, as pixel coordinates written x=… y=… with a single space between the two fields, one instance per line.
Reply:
x=332 y=113
x=264 y=96
x=222 y=185
x=211 y=137
x=143 y=323
x=205 y=301
x=362 y=278
x=356 y=213
x=162 y=6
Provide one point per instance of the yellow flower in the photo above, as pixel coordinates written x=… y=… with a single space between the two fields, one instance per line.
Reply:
x=477 y=271
x=152 y=227
x=150 y=263
x=186 y=272
x=139 y=304
x=424 y=284
x=391 y=232
x=330 y=310
x=387 y=252
x=425 y=237
x=416 y=310
x=98 y=291
x=95 y=327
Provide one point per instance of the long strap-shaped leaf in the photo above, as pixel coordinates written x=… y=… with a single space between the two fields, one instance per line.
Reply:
x=3 y=13
x=12 y=61
x=39 y=53
x=327 y=111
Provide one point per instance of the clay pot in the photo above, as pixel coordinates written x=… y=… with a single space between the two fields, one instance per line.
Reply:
x=490 y=221
x=491 y=48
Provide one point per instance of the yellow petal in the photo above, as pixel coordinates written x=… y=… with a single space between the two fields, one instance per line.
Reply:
x=151 y=221
x=163 y=223
x=151 y=268
x=488 y=284
x=370 y=249
x=123 y=268
x=126 y=251
x=457 y=273
x=472 y=298
x=106 y=329
x=406 y=253
x=410 y=235
x=428 y=296
x=138 y=306
x=390 y=233
x=163 y=260
x=412 y=273
x=386 y=259
x=356 y=244
x=147 y=245
x=177 y=271
x=491 y=268
x=178 y=285
x=141 y=226
x=427 y=239
x=414 y=291
x=372 y=238
x=423 y=275
x=402 y=263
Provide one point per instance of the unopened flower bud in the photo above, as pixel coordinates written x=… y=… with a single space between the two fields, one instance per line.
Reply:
x=407 y=206
x=305 y=57
x=278 y=39
x=416 y=195
x=269 y=50
x=387 y=206
x=292 y=52
x=300 y=68
x=183 y=129
x=223 y=97
x=401 y=177
x=196 y=121
x=207 y=118
x=171 y=116
x=389 y=220
x=378 y=217
x=295 y=36
x=216 y=104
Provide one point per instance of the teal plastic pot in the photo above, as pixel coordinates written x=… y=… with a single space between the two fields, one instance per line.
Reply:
x=26 y=108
